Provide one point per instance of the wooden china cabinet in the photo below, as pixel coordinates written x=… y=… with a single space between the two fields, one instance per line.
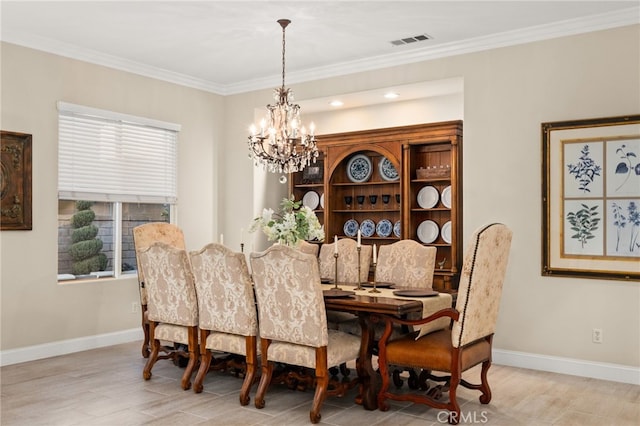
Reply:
x=393 y=183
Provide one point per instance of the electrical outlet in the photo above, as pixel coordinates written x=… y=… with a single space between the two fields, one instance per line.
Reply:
x=135 y=307
x=596 y=335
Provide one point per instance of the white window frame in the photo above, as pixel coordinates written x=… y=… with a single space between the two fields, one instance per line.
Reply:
x=74 y=183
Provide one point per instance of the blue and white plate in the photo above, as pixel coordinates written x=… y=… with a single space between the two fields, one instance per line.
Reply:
x=351 y=227
x=384 y=228
x=359 y=168
x=367 y=227
x=396 y=229
x=388 y=170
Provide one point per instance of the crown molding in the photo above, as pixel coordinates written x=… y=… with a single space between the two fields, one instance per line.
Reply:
x=619 y=18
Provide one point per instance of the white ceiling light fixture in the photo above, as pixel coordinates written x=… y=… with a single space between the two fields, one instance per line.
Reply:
x=336 y=103
x=282 y=145
x=391 y=95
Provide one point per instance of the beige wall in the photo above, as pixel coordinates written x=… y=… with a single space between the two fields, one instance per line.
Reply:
x=35 y=308
x=507 y=94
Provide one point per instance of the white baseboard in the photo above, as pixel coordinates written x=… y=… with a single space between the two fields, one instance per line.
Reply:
x=47 y=350
x=574 y=367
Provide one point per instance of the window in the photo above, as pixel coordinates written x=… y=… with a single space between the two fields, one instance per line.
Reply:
x=115 y=172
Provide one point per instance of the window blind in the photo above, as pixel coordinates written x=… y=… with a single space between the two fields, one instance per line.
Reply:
x=108 y=156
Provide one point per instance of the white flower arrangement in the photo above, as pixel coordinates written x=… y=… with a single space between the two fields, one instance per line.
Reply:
x=294 y=222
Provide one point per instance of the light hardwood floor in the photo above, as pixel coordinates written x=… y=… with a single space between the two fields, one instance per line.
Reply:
x=105 y=387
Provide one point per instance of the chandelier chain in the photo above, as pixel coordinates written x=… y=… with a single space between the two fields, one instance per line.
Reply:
x=283 y=145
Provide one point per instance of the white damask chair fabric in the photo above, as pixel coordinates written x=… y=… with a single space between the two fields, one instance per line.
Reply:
x=143 y=236
x=292 y=320
x=406 y=263
x=468 y=342
x=347 y=273
x=228 y=320
x=347 y=261
x=172 y=303
x=307 y=247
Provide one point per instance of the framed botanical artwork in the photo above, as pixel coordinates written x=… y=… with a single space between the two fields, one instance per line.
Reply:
x=15 y=181
x=591 y=198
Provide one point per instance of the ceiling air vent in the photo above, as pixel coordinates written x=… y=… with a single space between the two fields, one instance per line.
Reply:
x=409 y=40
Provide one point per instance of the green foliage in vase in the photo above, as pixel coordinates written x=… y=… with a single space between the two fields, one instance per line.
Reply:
x=85 y=250
x=292 y=223
x=585 y=170
x=583 y=223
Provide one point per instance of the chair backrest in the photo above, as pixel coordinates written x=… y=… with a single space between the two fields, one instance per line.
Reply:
x=289 y=295
x=170 y=286
x=147 y=234
x=347 y=261
x=307 y=247
x=226 y=302
x=480 y=288
x=406 y=263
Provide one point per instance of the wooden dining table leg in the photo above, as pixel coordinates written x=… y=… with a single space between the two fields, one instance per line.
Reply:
x=369 y=383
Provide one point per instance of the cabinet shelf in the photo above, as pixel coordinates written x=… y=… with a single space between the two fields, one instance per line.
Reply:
x=409 y=149
x=369 y=183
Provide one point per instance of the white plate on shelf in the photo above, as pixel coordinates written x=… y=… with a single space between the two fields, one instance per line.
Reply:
x=428 y=197
x=359 y=168
x=368 y=228
x=351 y=227
x=387 y=170
x=396 y=229
x=384 y=228
x=428 y=231
x=311 y=199
x=446 y=232
x=322 y=201
x=446 y=197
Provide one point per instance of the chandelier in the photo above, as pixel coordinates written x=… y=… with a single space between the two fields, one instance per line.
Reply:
x=282 y=144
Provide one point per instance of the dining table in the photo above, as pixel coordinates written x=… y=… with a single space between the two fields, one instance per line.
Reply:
x=368 y=306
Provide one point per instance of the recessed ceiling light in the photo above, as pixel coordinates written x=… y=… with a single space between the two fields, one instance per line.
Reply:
x=391 y=95
x=336 y=103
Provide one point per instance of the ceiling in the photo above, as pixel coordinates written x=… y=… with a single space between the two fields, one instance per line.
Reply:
x=231 y=47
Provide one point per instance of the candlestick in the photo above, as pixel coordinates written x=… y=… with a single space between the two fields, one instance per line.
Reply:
x=222 y=239
x=359 y=238
x=335 y=281
x=375 y=256
x=359 y=287
x=335 y=244
x=374 y=289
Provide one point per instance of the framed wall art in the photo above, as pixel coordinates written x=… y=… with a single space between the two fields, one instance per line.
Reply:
x=15 y=181
x=591 y=198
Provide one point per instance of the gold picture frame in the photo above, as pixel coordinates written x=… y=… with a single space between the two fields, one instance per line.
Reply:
x=591 y=198
x=15 y=181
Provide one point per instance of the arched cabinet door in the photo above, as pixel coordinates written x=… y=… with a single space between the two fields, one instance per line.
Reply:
x=391 y=184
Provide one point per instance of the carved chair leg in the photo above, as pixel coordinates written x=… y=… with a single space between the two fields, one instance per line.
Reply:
x=153 y=356
x=322 y=383
x=267 y=372
x=250 y=372
x=145 y=329
x=205 y=362
x=485 y=398
x=193 y=358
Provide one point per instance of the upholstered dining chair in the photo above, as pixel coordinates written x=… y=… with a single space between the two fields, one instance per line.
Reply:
x=468 y=342
x=293 y=322
x=143 y=236
x=347 y=261
x=228 y=320
x=171 y=302
x=307 y=247
x=406 y=263
x=347 y=273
